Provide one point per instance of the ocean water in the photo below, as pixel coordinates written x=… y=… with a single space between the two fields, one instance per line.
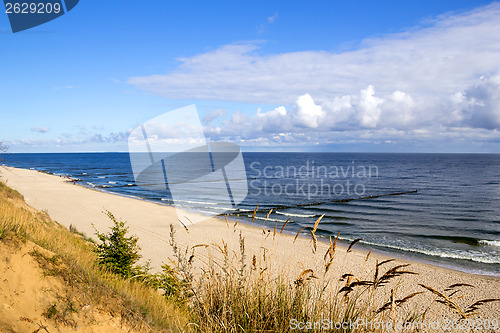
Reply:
x=453 y=219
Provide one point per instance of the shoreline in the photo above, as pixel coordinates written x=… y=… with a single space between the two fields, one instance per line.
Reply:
x=406 y=255
x=286 y=255
x=365 y=248
x=403 y=255
x=399 y=254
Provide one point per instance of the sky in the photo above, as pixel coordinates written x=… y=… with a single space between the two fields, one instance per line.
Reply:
x=356 y=76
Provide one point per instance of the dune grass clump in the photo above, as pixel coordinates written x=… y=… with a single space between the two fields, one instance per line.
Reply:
x=233 y=294
x=71 y=258
x=238 y=290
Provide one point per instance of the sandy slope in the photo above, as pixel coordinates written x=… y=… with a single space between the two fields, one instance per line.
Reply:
x=72 y=204
x=26 y=292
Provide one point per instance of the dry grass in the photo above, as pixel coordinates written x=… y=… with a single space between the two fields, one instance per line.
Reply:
x=73 y=260
x=234 y=294
x=239 y=290
x=454 y=294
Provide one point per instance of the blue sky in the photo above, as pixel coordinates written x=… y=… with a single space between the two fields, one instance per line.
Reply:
x=397 y=76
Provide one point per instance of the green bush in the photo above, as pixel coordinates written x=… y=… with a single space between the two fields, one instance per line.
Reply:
x=116 y=252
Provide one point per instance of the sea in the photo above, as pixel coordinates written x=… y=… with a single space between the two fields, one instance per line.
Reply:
x=442 y=209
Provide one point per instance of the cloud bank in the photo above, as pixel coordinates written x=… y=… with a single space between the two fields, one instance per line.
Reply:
x=67 y=142
x=441 y=80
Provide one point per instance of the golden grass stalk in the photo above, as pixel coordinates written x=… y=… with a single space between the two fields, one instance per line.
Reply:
x=330 y=251
x=255 y=211
x=352 y=244
x=284 y=225
x=473 y=308
x=297 y=235
x=269 y=213
x=447 y=301
x=317 y=223
x=336 y=239
x=399 y=302
x=457 y=285
x=315 y=241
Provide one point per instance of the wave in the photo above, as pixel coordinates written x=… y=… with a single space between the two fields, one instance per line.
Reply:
x=462 y=239
x=206 y=212
x=455 y=239
x=490 y=242
x=269 y=219
x=226 y=209
x=327 y=210
x=295 y=215
x=335 y=223
x=191 y=202
x=440 y=254
x=101 y=177
x=112 y=182
x=197 y=202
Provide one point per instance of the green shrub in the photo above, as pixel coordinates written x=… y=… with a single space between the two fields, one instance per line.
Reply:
x=116 y=252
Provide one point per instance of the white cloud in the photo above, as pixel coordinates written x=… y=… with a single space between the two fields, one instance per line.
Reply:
x=369 y=106
x=272 y=19
x=429 y=62
x=39 y=129
x=66 y=142
x=480 y=104
x=271 y=121
x=210 y=117
x=438 y=81
x=364 y=115
x=307 y=113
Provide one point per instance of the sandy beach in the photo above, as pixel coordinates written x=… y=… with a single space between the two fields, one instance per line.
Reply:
x=70 y=204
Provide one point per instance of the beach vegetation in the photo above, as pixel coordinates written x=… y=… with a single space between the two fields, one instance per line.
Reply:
x=61 y=313
x=87 y=289
x=75 y=231
x=177 y=277
x=215 y=288
x=240 y=290
x=9 y=192
x=116 y=251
